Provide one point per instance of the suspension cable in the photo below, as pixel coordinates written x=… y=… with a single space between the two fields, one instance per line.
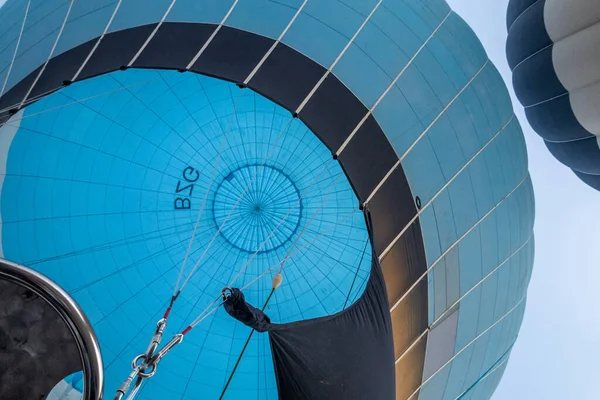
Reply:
x=281 y=222
x=144 y=365
x=33 y=99
x=284 y=131
x=212 y=179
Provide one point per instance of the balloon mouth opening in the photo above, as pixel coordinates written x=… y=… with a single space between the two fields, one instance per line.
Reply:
x=269 y=208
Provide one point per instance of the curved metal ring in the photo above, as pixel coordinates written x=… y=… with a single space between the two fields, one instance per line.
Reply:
x=71 y=314
x=148 y=374
x=142 y=372
x=134 y=363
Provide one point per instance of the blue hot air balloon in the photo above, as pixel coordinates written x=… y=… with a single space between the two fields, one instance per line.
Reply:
x=365 y=152
x=553 y=52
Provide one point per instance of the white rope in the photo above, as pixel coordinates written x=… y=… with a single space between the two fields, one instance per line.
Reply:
x=441 y=257
x=282 y=220
x=308 y=244
x=301 y=233
x=30 y=100
x=451 y=308
x=338 y=58
x=12 y=62
x=380 y=99
x=414 y=343
x=50 y=55
x=206 y=312
x=212 y=36
x=284 y=131
x=151 y=36
x=466 y=347
x=268 y=53
x=91 y=53
x=210 y=309
x=422 y=135
x=456 y=175
x=204 y=201
x=82 y=100
x=313 y=217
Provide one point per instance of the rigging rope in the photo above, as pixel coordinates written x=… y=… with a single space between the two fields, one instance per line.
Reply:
x=284 y=131
x=145 y=365
x=212 y=179
x=37 y=97
x=239 y=359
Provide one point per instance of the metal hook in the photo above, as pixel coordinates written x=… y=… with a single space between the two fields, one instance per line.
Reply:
x=144 y=365
x=226 y=292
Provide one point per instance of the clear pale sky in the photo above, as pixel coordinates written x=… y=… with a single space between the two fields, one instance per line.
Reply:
x=557 y=353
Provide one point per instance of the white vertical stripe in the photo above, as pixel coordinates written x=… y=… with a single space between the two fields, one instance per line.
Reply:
x=87 y=59
x=349 y=138
x=212 y=36
x=385 y=178
x=268 y=53
x=7 y=134
x=466 y=347
x=338 y=58
x=441 y=257
x=12 y=62
x=49 y=55
x=156 y=28
x=418 y=214
x=492 y=272
x=449 y=309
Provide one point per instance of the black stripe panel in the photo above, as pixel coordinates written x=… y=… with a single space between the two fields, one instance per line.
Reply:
x=528 y=35
x=342 y=112
x=392 y=208
x=174 y=45
x=116 y=50
x=516 y=8
x=591 y=180
x=405 y=263
x=409 y=371
x=581 y=155
x=13 y=98
x=232 y=54
x=64 y=65
x=555 y=121
x=535 y=80
x=332 y=113
x=409 y=318
x=287 y=77
x=368 y=158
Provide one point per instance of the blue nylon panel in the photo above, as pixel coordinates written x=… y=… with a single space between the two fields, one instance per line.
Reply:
x=91 y=200
x=41 y=30
x=207 y=11
x=138 y=12
x=264 y=17
x=86 y=22
x=12 y=17
x=323 y=29
x=158 y=132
